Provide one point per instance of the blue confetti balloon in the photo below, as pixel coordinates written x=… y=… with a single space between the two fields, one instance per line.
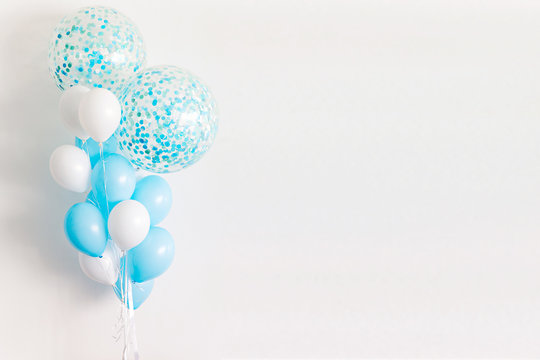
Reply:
x=96 y=47
x=169 y=119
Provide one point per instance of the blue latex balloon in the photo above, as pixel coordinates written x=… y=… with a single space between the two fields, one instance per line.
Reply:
x=85 y=229
x=118 y=178
x=91 y=147
x=156 y=195
x=139 y=292
x=152 y=257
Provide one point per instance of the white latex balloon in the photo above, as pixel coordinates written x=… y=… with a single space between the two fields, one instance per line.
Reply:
x=129 y=223
x=70 y=168
x=100 y=113
x=103 y=269
x=69 y=110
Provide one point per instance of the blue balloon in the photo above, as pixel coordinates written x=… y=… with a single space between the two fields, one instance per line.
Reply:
x=84 y=226
x=118 y=179
x=156 y=195
x=152 y=257
x=91 y=147
x=139 y=292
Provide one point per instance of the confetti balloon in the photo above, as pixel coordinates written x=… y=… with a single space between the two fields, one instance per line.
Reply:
x=96 y=47
x=169 y=119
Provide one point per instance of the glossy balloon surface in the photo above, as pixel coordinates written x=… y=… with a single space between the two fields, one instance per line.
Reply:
x=85 y=229
x=69 y=110
x=153 y=256
x=128 y=224
x=113 y=178
x=99 y=114
x=156 y=195
x=70 y=168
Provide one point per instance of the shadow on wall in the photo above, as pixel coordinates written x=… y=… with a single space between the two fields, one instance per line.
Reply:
x=33 y=206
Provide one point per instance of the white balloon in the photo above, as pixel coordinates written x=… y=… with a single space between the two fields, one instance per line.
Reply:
x=103 y=269
x=69 y=110
x=70 y=168
x=129 y=223
x=99 y=113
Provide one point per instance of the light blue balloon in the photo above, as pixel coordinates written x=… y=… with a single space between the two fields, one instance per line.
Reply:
x=152 y=257
x=139 y=292
x=91 y=147
x=84 y=226
x=156 y=195
x=118 y=179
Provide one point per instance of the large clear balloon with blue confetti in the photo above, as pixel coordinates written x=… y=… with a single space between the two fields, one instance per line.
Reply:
x=169 y=119
x=96 y=47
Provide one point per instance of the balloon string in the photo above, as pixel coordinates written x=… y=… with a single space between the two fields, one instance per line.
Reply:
x=125 y=301
x=84 y=147
x=104 y=176
x=130 y=340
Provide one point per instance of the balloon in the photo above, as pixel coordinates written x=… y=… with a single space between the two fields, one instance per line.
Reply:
x=169 y=119
x=152 y=257
x=156 y=195
x=96 y=47
x=69 y=110
x=70 y=168
x=85 y=229
x=129 y=223
x=92 y=148
x=100 y=114
x=116 y=182
x=103 y=269
x=139 y=292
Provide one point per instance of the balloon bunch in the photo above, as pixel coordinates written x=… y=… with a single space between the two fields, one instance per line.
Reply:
x=126 y=118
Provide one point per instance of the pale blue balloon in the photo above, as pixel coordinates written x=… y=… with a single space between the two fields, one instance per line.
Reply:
x=152 y=257
x=84 y=226
x=139 y=292
x=156 y=195
x=113 y=184
x=91 y=147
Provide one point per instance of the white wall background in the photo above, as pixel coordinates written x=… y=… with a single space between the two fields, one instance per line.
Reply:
x=374 y=190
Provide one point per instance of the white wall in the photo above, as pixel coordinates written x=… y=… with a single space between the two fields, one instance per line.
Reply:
x=374 y=189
